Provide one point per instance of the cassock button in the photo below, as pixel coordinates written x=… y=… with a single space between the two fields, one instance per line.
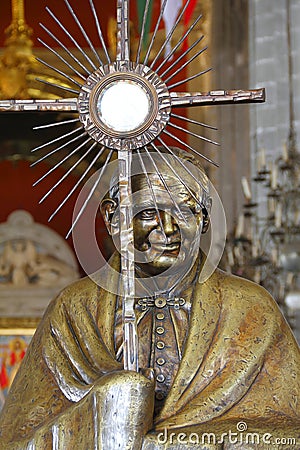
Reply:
x=160 y=361
x=160 y=378
x=160 y=330
x=160 y=316
x=160 y=345
x=160 y=302
x=159 y=395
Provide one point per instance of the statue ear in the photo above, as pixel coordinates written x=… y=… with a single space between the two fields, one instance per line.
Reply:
x=108 y=208
x=206 y=214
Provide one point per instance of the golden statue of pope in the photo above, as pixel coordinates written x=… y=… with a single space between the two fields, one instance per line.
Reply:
x=219 y=365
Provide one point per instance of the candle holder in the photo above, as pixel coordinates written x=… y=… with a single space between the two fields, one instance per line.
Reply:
x=272 y=257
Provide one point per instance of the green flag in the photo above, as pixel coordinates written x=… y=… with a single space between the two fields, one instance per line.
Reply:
x=140 y=6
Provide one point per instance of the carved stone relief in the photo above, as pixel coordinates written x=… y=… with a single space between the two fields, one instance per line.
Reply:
x=35 y=264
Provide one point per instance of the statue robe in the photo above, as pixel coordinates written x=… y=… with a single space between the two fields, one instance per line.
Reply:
x=240 y=363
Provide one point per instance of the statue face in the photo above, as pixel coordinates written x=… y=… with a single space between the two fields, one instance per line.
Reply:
x=161 y=236
x=164 y=234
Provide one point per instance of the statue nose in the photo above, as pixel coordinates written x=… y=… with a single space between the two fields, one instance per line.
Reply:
x=168 y=222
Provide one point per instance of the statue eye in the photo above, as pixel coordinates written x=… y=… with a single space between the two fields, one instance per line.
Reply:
x=147 y=214
x=187 y=210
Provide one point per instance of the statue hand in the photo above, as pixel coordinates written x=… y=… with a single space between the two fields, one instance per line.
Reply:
x=125 y=403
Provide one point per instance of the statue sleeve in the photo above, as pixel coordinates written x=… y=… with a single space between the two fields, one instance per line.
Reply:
x=74 y=350
x=66 y=358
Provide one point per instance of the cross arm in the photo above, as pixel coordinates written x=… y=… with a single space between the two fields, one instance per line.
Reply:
x=219 y=97
x=66 y=104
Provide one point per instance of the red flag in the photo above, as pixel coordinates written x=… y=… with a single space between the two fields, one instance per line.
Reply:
x=188 y=14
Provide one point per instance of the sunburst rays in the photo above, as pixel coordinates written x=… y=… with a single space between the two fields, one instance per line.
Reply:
x=168 y=66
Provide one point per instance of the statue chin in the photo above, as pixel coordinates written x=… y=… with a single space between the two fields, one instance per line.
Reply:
x=158 y=266
x=167 y=264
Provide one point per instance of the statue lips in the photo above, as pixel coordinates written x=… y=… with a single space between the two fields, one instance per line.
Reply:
x=169 y=248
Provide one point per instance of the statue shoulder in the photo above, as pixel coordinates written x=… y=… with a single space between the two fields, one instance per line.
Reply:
x=245 y=294
x=251 y=307
x=80 y=286
x=80 y=291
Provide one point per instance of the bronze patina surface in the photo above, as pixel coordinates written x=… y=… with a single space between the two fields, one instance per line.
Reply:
x=216 y=357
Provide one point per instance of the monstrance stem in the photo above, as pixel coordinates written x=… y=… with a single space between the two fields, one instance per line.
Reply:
x=125 y=213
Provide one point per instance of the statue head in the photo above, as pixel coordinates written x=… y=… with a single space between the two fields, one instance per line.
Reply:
x=171 y=208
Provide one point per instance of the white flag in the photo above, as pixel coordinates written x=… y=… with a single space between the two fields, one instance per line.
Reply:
x=170 y=15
